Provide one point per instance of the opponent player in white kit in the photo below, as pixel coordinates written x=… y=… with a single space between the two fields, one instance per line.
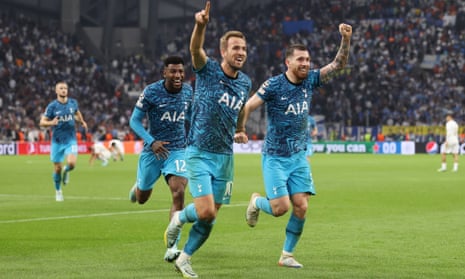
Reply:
x=116 y=148
x=98 y=151
x=451 y=145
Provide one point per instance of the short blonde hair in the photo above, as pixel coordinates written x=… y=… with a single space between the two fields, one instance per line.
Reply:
x=224 y=39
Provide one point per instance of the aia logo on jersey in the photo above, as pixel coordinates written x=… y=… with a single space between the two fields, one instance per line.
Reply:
x=231 y=101
x=297 y=108
x=172 y=116
x=65 y=118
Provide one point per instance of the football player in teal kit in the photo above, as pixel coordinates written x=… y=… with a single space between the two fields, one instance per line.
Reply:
x=166 y=105
x=61 y=115
x=221 y=90
x=286 y=172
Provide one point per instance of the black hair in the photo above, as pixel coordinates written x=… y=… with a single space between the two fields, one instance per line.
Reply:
x=173 y=60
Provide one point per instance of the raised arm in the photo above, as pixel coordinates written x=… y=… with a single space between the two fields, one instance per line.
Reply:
x=342 y=57
x=199 y=56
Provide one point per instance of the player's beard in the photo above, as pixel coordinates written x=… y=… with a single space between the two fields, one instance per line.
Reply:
x=234 y=66
x=300 y=74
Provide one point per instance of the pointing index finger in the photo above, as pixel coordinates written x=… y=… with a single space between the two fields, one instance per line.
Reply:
x=207 y=8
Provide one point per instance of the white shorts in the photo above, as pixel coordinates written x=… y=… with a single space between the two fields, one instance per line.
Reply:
x=451 y=148
x=104 y=155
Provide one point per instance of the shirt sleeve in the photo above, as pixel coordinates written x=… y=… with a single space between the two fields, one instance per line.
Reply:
x=136 y=125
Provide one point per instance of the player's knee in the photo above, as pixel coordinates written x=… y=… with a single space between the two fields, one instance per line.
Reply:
x=206 y=214
x=142 y=201
x=280 y=210
x=178 y=194
x=280 y=206
x=300 y=211
x=143 y=196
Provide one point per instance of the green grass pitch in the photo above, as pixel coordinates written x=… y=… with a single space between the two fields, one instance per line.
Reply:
x=374 y=216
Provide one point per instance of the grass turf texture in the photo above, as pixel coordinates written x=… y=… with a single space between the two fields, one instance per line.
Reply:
x=374 y=216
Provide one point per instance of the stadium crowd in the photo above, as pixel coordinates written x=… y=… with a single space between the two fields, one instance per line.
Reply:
x=407 y=64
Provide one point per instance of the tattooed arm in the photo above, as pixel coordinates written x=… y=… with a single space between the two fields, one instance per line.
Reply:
x=342 y=57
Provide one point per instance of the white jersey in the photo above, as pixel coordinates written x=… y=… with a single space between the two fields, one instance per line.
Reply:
x=102 y=152
x=118 y=145
x=451 y=145
x=452 y=132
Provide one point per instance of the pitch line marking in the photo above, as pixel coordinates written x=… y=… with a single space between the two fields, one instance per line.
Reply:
x=50 y=197
x=92 y=215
